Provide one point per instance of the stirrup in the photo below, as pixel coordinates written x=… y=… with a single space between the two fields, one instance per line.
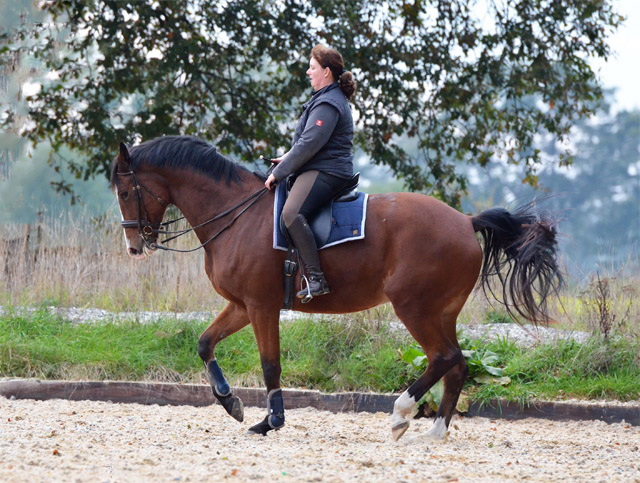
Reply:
x=322 y=289
x=307 y=298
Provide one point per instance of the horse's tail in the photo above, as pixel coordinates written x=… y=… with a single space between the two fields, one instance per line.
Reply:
x=520 y=248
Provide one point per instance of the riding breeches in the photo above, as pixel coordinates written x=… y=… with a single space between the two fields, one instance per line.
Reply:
x=311 y=191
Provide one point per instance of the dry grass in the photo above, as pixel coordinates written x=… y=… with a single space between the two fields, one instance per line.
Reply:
x=82 y=262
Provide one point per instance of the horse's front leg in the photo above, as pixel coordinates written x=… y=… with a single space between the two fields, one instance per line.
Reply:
x=267 y=331
x=230 y=320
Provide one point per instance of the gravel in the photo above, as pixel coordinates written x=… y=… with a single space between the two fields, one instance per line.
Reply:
x=59 y=440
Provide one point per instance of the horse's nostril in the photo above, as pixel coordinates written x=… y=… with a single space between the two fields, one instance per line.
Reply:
x=133 y=251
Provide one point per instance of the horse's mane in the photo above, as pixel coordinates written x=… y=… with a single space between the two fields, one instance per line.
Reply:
x=182 y=152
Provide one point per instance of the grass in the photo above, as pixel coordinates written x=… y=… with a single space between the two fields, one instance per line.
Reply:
x=65 y=261
x=44 y=346
x=324 y=355
x=596 y=369
x=82 y=262
x=329 y=355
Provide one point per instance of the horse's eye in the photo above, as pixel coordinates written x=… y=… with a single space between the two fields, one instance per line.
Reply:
x=124 y=195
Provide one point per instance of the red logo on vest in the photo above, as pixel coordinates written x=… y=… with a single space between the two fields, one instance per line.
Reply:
x=318 y=122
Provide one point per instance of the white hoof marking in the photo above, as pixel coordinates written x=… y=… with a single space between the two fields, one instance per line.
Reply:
x=438 y=430
x=404 y=409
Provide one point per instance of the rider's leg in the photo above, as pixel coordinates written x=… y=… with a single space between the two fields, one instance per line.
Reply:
x=311 y=191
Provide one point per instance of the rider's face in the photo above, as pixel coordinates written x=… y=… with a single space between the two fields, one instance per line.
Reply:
x=318 y=76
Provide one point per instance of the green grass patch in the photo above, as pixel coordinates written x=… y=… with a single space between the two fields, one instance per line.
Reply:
x=45 y=346
x=325 y=355
x=596 y=369
x=329 y=355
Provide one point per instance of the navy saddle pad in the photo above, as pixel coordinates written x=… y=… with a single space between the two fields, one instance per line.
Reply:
x=340 y=222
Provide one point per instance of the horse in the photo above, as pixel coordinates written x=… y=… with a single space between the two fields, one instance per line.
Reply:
x=419 y=254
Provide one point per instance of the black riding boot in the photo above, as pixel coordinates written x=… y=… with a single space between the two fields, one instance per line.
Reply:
x=304 y=241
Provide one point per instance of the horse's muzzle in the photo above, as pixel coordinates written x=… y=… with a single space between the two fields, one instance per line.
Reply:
x=136 y=253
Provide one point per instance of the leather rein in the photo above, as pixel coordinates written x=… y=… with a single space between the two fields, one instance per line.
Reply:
x=146 y=229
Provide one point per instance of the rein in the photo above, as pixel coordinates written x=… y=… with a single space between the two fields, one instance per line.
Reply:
x=146 y=229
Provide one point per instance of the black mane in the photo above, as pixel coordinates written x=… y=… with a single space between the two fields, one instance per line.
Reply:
x=183 y=152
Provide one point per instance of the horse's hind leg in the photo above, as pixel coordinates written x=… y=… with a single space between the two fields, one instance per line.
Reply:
x=229 y=321
x=443 y=356
x=453 y=382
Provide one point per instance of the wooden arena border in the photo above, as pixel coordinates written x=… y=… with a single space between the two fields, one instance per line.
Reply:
x=200 y=395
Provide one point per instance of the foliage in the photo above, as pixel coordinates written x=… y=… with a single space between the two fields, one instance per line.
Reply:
x=431 y=75
x=482 y=362
x=599 y=307
x=483 y=367
x=610 y=306
x=597 y=199
x=596 y=369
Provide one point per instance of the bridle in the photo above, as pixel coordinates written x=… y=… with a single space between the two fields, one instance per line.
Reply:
x=147 y=230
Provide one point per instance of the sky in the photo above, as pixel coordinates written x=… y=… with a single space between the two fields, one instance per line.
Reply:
x=622 y=71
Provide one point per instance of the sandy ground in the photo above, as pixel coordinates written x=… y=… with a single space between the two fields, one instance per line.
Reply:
x=60 y=440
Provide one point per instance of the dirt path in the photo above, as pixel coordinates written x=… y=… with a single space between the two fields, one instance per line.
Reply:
x=60 y=440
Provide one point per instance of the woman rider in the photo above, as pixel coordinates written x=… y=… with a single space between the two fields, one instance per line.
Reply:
x=320 y=158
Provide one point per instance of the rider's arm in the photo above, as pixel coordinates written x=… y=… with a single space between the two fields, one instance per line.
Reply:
x=320 y=125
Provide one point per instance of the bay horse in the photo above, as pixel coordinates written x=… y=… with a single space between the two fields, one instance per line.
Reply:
x=419 y=254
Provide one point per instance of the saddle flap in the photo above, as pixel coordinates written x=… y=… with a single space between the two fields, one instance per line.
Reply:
x=336 y=223
x=321 y=225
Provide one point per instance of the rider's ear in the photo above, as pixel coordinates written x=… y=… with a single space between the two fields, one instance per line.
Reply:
x=123 y=158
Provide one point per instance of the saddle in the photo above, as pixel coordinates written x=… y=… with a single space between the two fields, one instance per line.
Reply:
x=320 y=223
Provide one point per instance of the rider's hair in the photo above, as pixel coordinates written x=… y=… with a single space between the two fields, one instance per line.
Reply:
x=331 y=58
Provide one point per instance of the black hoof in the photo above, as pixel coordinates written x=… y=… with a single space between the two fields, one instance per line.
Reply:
x=263 y=427
x=233 y=405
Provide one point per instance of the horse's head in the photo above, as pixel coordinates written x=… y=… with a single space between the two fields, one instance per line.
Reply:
x=141 y=196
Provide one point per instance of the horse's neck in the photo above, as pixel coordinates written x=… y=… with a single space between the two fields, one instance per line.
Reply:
x=201 y=198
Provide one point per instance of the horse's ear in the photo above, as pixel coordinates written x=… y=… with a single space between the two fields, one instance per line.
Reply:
x=123 y=158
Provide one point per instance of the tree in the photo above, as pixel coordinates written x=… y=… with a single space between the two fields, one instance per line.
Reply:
x=463 y=88
x=597 y=198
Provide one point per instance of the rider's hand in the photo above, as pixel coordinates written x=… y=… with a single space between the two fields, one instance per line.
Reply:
x=271 y=182
x=276 y=160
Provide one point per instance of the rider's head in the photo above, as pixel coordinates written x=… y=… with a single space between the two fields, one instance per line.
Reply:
x=329 y=58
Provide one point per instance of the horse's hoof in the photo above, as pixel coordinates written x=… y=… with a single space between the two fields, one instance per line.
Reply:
x=237 y=410
x=438 y=431
x=234 y=407
x=263 y=427
x=399 y=429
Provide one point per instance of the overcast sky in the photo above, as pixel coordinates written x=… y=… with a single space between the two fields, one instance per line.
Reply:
x=623 y=68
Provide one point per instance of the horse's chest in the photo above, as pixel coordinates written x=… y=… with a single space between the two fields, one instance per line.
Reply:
x=229 y=276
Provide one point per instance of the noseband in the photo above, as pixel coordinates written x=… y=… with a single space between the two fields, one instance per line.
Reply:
x=146 y=229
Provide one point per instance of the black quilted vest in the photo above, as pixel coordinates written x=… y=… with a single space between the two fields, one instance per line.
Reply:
x=335 y=157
